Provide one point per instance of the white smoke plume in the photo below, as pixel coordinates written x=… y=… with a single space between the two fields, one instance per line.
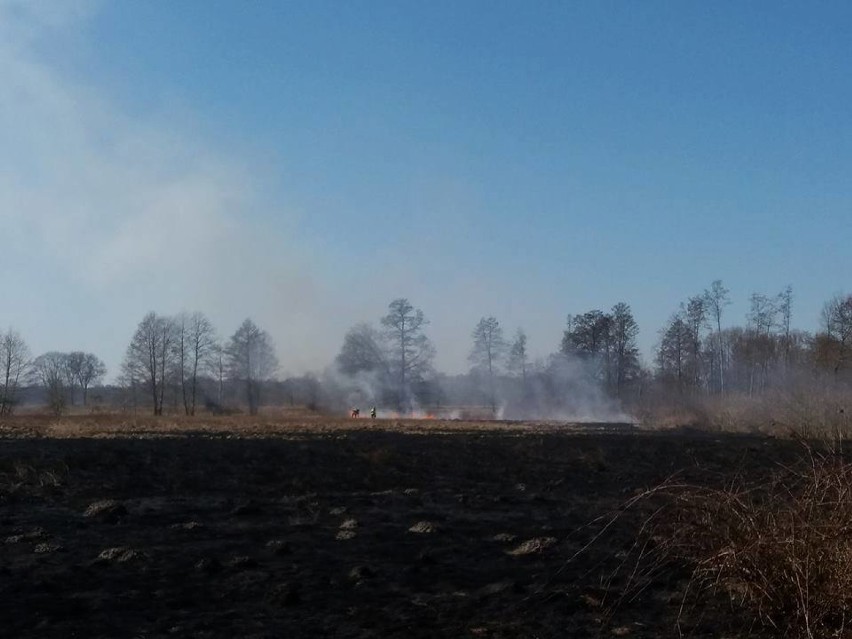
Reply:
x=122 y=214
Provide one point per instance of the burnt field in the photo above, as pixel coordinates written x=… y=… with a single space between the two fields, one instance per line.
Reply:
x=323 y=528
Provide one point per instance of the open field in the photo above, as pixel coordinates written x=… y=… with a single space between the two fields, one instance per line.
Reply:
x=308 y=526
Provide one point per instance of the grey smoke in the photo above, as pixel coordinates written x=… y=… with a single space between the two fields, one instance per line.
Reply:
x=562 y=389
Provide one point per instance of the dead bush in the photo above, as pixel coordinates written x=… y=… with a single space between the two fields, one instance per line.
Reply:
x=780 y=550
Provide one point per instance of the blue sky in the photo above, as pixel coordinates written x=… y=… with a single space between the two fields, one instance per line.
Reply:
x=304 y=163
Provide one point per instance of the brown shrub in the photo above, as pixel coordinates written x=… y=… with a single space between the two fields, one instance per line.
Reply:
x=781 y=550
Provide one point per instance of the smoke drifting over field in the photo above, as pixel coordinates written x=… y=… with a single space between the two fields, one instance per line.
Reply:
x=139 y=211
x=112 y=212
x=117 y=200
x=565 y=390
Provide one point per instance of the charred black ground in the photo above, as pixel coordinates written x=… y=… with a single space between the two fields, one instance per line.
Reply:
x=343 y=533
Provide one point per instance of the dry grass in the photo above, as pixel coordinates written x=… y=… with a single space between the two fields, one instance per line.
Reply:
x=779 y=550
x=806 y=412
x=276 y=421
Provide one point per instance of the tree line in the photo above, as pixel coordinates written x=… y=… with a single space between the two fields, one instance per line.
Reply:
x=392 y=365
x=696 y=355
x=177 y=351
x=167 y=355
x=179 y=360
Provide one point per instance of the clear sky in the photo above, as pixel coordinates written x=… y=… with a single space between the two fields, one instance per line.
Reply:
x=304 y=163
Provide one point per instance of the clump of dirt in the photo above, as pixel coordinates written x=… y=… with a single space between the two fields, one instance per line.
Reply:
x=35 y=534
x=119 y=555
x=533 y=546
x=347 y=530
x=349 y=524
x=423 y=527
x=106 y=510
x=506 y=537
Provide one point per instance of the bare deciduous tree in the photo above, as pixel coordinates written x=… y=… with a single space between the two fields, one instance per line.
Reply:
x=625 y=353
x=362 y=351
x=150 y=356
x=83 y=370
x=217 y=365
x=411 y=352
x=91 y=371
x=785 y=310
x=73 y=362
x=50 y=370
x=836 y=339
x=716 y=298
x=676 y=343
x=762 y=313
x=15 y=362
x=759 y=342
x=251 y=360
x=695 y=316
x=488 y=349
x=517 y=361
x=194 y=345
x=606 y=342
x=586 y=335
